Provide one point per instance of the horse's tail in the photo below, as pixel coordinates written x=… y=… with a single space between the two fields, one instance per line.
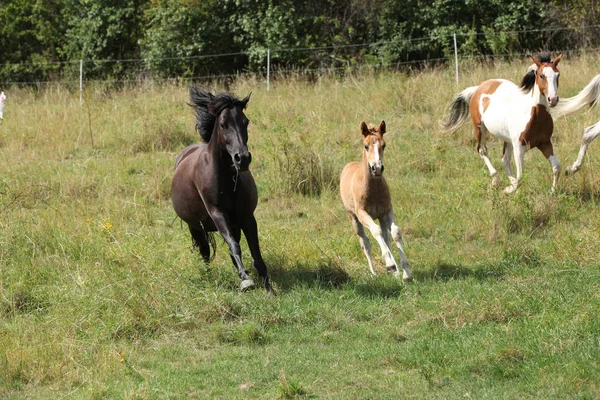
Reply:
x=588 y=96
x=458 y=111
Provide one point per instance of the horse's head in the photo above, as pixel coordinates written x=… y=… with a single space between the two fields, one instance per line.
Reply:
x=232 y=125
x=546 y=77
x=374 y=146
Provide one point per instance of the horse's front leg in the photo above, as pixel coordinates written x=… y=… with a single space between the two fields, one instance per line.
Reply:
x=589 y=134
x=548 y=152
x=365 y=219
x=389 y=220
x=251 y=232
x=231 y=235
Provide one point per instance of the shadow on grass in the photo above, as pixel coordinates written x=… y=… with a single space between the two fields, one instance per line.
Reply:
x=445 y=272
x=322 y=275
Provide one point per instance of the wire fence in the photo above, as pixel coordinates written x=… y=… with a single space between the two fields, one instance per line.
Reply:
x=325 y=60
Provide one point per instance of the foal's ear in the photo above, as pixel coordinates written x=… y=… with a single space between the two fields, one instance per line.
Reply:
x=364 y=129
x=246 y=99
x=382 y=128
x=557 y=59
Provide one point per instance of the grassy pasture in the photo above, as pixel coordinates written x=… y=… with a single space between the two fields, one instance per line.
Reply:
x=100 y=296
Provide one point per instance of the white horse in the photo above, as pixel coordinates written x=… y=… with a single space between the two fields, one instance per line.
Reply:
x=588 y=96
x=518 y=115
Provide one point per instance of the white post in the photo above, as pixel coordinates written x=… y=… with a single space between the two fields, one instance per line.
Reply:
x=268 y=67
x=456 y=58
x=80 y=81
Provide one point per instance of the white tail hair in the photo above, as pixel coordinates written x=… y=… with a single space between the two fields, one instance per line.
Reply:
x=588 y=96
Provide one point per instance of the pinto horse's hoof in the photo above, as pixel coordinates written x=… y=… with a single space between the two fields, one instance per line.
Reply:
x=391 y=268
x=246 y=285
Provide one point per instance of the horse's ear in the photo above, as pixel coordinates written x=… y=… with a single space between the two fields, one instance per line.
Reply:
x=536 y=61
x=364 y=129
x=382 y=128
x=246 y=99
x=557 y=59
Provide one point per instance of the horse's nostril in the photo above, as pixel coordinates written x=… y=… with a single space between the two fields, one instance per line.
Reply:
x=237 y=157
x=382 y=168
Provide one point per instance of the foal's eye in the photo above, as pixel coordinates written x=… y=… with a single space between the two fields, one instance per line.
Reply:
x=367 y=147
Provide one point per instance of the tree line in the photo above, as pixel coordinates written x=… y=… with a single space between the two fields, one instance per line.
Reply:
x=38 y=38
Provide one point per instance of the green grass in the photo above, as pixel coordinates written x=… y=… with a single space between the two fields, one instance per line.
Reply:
x=101 y=296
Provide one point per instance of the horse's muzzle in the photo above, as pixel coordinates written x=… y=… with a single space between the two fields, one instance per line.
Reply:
x=553 y=101
x=241 y=161
x=377 y=170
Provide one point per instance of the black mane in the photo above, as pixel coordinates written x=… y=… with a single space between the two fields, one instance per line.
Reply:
x=528 y=81
x=208 y=107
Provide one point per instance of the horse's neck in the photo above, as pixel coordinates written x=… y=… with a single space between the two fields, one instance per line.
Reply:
x=537 y=98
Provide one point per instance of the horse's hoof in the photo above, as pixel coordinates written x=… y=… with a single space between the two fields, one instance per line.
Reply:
x=407 y=278
x=391 y=268
x=246 y=285
x=570 y=171
x=510 y=189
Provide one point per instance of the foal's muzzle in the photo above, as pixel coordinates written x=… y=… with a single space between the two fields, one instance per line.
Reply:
x=241 y=161
x=377 y=169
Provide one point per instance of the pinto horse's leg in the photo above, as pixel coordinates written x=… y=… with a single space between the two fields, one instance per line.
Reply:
x=547 y=150
x=365 y=244
x=481 y=134
x=231 y=235
x=590 y=133
x=365 y=219
x=507 y=154
x=397 y=236
x=519 y=154
x=251 y=232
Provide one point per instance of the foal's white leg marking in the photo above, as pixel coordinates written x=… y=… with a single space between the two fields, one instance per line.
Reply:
x=589 y=134
x=397 y=235
x=386 y=253
x=365 y=244
x=375 y=229
x=519 y=155
x=555 y=172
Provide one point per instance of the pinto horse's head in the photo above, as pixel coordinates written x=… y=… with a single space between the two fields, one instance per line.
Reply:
x=374 y=145
x=546 y=77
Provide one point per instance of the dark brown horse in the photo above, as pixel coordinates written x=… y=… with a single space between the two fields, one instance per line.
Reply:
x=212 y=189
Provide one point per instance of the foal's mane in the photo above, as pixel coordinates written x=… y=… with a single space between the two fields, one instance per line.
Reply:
x=528 y=81
x=208 y=107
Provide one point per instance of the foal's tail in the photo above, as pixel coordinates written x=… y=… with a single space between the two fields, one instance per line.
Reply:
x=458 y=111
x=588 y=96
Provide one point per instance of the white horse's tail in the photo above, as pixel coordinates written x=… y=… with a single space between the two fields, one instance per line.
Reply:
x=588 y=96
x=458 y=111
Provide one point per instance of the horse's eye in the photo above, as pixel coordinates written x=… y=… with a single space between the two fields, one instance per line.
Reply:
x=542 y=76
x=367 y=147
x=383 y=147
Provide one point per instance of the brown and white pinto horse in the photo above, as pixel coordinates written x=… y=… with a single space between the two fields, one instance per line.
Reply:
x=366 y=198
x=518 y=116
x=588 y=96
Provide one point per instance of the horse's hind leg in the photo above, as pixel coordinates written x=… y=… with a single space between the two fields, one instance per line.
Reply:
x=365 y=244
x=200 y=240
x=251 y=232
x=589 y=134
x=397 y=236
x=481 y=134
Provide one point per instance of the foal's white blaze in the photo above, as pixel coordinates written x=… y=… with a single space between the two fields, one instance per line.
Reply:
x=375 y=161
x=552 y=79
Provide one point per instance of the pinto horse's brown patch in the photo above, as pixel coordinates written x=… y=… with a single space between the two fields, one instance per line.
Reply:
x=539 y=128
